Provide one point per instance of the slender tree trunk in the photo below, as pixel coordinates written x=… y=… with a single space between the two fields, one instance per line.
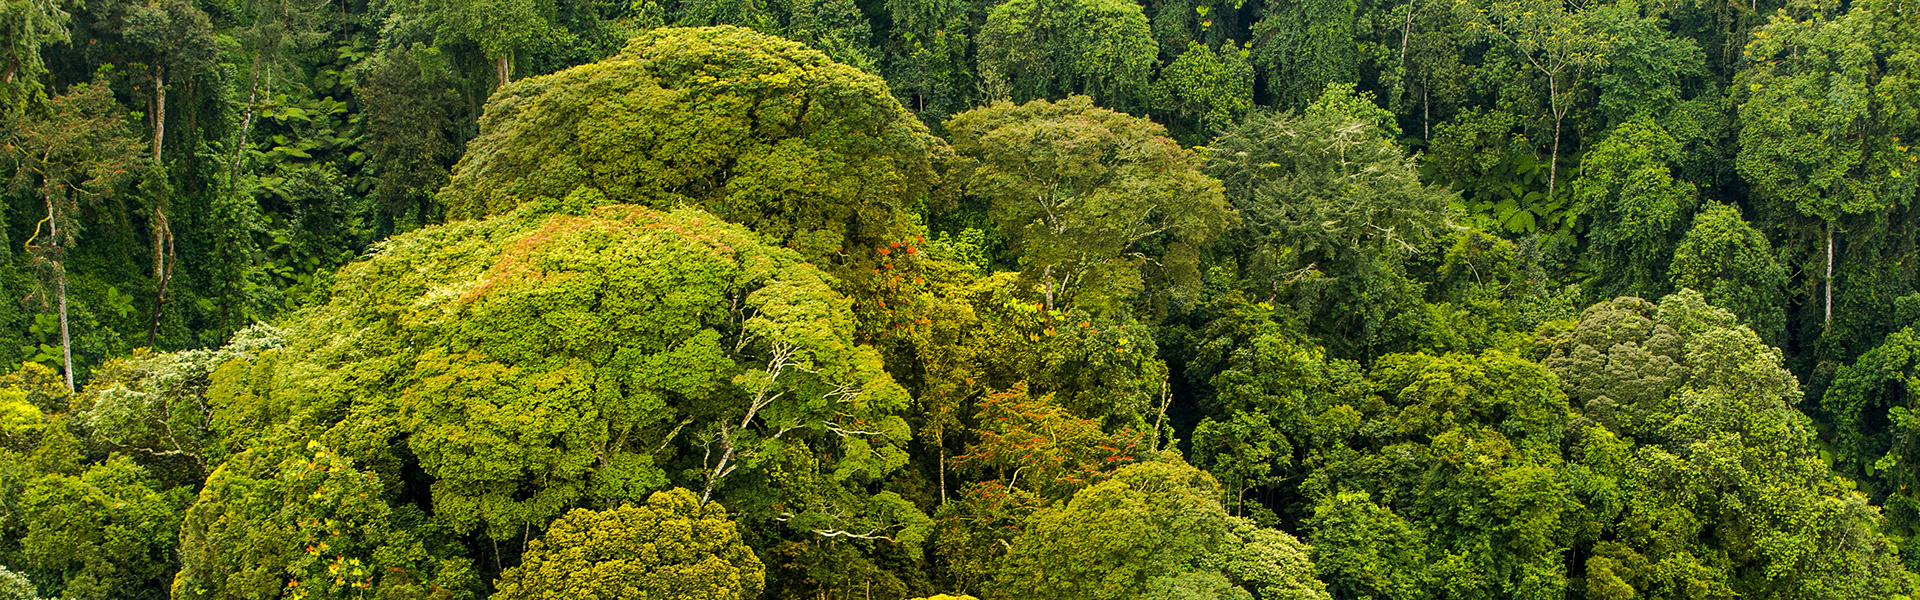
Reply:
x=162 y=231
x=502 y=66
x=162 y=271
x=1828 y=326
x=943 y=473
x=66 y=339
x=1048 y=275
x=1553 y=160
x=253 y=95
x=60 y=291
x=159 y=112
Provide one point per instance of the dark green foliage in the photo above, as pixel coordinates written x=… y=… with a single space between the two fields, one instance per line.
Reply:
x=1155 y=530
x=413 y=140
x=1304 y=46
x=1870 y=403
x=1207 y=89
x=1713 y=411
x=1634 y=207
x=106 y=533
x=1052 y=49
x=1733 y=267
x=1101 y=205
x=1331 y=209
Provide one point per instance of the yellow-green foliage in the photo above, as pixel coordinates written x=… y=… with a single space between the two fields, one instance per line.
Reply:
x=529 y=363
x=670 y=549
x=755 y=129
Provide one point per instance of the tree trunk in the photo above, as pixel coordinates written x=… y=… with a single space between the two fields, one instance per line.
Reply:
x=253 y=96
x=1553 y=160
x=159 y=112
x=162 y=271
x=1828 y=326
x=502 y=67
x=66 y=339
x=162 y=232
x=59 y=290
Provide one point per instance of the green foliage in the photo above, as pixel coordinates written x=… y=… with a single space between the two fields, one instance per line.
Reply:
x=1503 y=185
x=1119 y=538
x=889 y=329
x=411 y=135
x=1734 y=267
x=1634 y=207
x=1712 y=409
x=1869 y=403
x=1052 y=49
x=612 y=328
x=1271 y=564
x=1098 y=202
x=809 y=153
x=1331 y=209
x=1306 y=46
x=1207 y=89
x=672 y=548
x=1361 y=545
x=1828 y=153
x=153 y=404
x=14 y=586
x=1098 y=367
x=305 y=522
x=26 y=25
x=106 y=533
x=1813 y=137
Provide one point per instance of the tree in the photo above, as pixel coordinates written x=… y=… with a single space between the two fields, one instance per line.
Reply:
x=1034 y=441
x=835 y=27
x=154 y=404
x=1242 y=452
x=104 y=534
x=1208 y=89
x=1712 y=411
x=26 y=25
x=1271 y=564
x=1634 y=207
x=1098 y=202
x=1305 y=47
x=1139 y=532
x=1649 y=71
x=1052 y=49
x=172 y=41
x=674 y=548
x=1453 y=466
x=14 y=586
x=1870 y=404
x=828 y=164
x=596 y=359
x=1819 y=131
x=79 y=151
x=501 y=28
x=1365 y=550
x=1552 y=38
x=277 y=521
x=1331 y=209
x=411 y=111
x=1734 y=267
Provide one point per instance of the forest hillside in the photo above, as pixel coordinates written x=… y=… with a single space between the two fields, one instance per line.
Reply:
x=1023 y=299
